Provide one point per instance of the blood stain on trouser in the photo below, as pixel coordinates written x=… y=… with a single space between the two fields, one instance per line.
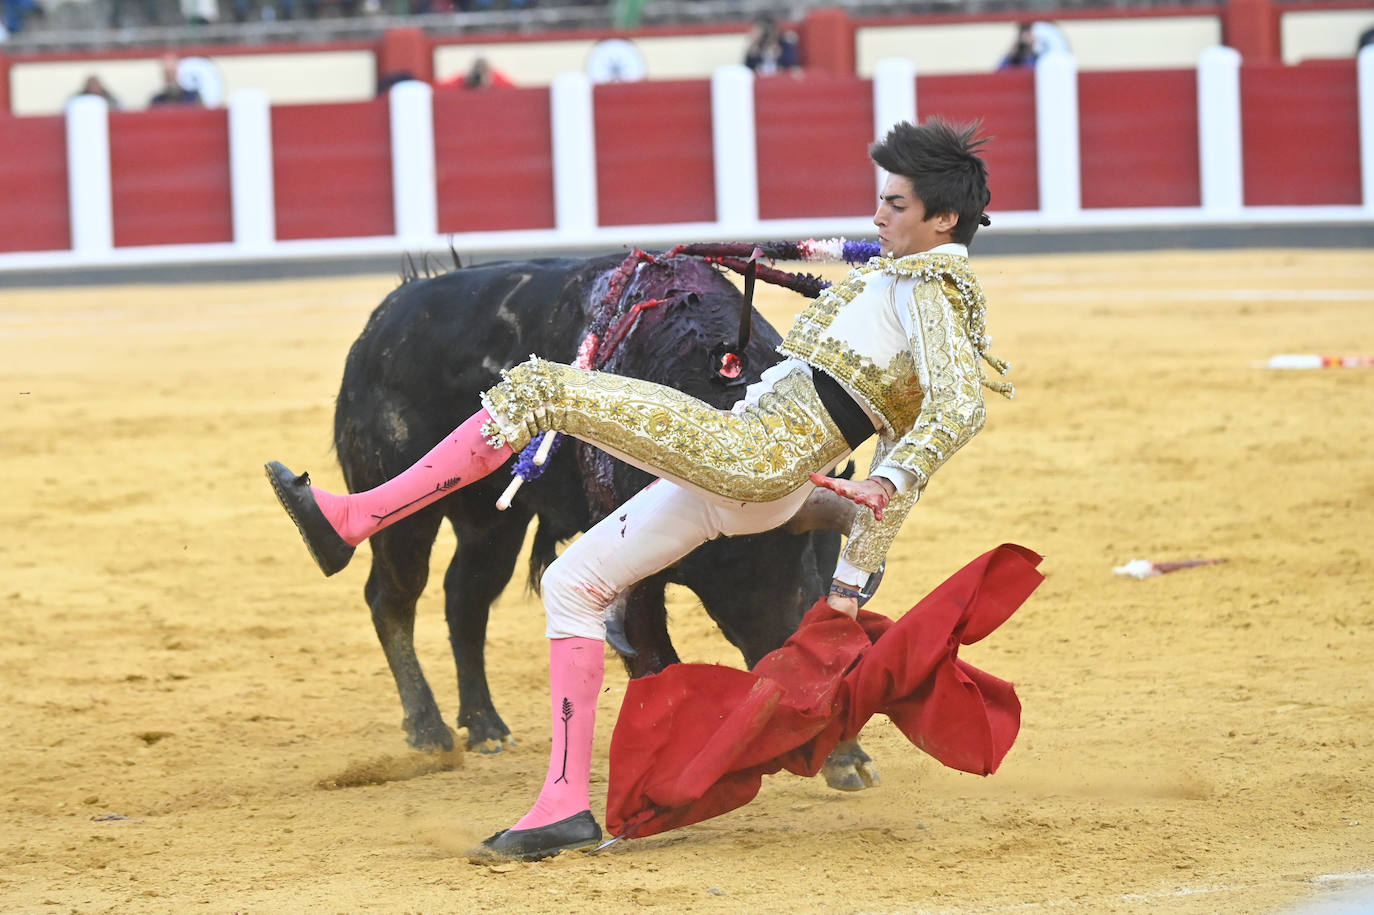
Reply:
x=602 y=596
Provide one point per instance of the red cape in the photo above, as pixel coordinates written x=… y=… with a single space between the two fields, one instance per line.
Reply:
x=695 y=740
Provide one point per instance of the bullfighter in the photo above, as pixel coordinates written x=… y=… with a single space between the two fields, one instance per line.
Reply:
x=896 y=349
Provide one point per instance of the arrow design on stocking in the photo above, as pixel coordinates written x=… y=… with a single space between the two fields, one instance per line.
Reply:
x=567 y=717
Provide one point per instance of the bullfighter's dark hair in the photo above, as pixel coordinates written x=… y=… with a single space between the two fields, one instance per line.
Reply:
x=941 y=160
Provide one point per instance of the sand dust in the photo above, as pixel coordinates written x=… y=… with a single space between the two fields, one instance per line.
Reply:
x=196 y=720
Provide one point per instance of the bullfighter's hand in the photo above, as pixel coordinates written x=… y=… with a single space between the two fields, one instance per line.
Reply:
x=873 y=493
x=846 y=605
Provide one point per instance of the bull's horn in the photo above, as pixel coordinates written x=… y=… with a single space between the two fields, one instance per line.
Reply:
x=822 y=510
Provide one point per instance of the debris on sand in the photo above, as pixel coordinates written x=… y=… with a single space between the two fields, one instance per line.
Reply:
x=1146 y=568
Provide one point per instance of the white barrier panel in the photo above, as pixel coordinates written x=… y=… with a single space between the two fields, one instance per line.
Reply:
x=1056 y=134
x=253 y=195
x=414 y=187
x=734 y=145
x=1365 y=81
x=894 y=94
x=574 y=153
x=1219 y=130
x=89 y=200
x=894 y=98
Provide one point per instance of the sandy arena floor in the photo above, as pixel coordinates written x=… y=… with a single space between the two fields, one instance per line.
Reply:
x=183 y=692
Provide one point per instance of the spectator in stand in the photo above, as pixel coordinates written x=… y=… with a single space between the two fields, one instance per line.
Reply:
x=482 y=75
x=172 y=91
x=772 y=50
x=273 y=10
x=16 y=11
x=94 y=86
x=148 y=8
x=199 y=12
x=1024 y=52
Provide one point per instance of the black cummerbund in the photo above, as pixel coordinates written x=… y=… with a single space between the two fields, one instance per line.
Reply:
x=851 y=419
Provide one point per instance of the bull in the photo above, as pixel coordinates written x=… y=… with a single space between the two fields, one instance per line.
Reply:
x=427 y=352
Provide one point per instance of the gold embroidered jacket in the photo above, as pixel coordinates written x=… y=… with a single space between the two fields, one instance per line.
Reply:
x=906 y=335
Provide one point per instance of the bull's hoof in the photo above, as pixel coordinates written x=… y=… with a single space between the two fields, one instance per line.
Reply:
x=484 y=735
x=578 y=831
x=492 y=745
x=330 y=551
x=430 y=740
x=851 y=772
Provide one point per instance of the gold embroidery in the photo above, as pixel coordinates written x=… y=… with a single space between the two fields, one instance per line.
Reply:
x=870 y=539
x=929 y=391
x=952 y=409
x=762 y=453
x=492 y=433
x=808 y=336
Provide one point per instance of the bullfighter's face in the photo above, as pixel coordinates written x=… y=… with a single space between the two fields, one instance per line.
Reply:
x=901 y=220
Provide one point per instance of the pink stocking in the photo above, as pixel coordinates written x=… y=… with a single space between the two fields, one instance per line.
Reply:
x=462 y=458
x=576 y=666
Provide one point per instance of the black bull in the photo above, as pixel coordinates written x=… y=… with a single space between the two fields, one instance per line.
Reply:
x=428 y=351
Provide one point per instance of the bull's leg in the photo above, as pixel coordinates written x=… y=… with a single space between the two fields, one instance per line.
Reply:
x=400 y=568
x=481 y=568
x=645 y=621
x=849 y=768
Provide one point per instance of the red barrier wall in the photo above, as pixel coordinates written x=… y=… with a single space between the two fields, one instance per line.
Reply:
x=1252 y=28
x=332 y=170
x=332 y=167
x=812 y=146
x=1144 y=154
x=493 y=159
x=169 y=177
x=33 y=184
x=1300 y=134
x=656 y=168
x=1006 y=104
x=406 y=49
x=4 y=83
x=827 y=41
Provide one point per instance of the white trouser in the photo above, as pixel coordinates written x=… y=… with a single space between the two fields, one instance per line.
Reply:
x=654 y=529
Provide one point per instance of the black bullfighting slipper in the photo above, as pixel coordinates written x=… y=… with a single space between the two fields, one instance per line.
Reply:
x=330 y=550
x=577 y=831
